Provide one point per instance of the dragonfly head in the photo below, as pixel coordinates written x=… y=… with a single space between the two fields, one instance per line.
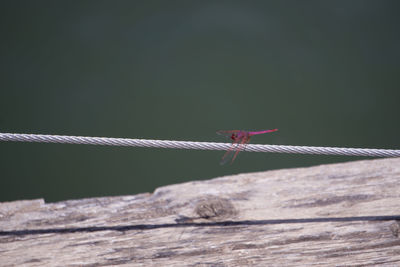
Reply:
x=239 y=135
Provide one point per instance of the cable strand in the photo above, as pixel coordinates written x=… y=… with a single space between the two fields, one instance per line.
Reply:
x=64 y=139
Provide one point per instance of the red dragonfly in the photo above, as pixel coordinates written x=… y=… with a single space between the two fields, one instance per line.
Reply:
x=240 y=139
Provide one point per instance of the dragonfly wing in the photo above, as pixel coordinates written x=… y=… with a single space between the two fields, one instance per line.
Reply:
x=227 y=134
x=234 y=150
x=230 y=152
x=242 y=145
x=228 y=156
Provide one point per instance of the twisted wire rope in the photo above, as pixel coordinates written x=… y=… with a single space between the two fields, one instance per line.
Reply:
x=63 y=139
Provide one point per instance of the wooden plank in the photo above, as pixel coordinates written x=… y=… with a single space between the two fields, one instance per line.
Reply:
x=338 y=214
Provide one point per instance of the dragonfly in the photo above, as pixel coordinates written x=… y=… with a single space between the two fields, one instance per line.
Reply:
x=240 y=139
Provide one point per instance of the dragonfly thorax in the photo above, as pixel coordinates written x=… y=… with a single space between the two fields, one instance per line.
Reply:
x=239 y=135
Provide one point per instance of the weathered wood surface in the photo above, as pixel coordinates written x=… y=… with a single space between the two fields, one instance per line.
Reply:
x=329 y=215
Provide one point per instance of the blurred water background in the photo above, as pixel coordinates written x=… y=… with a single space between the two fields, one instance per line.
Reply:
x=326 y=73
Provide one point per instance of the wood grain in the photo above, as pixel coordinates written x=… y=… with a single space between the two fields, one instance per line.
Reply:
x=330 y=215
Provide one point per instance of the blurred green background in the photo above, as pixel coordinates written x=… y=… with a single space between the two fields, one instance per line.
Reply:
x=326 y=73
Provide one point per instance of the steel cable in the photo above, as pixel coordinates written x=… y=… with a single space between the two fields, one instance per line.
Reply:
x=63 y=139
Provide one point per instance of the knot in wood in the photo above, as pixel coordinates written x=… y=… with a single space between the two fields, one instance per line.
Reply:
x=215 y=208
